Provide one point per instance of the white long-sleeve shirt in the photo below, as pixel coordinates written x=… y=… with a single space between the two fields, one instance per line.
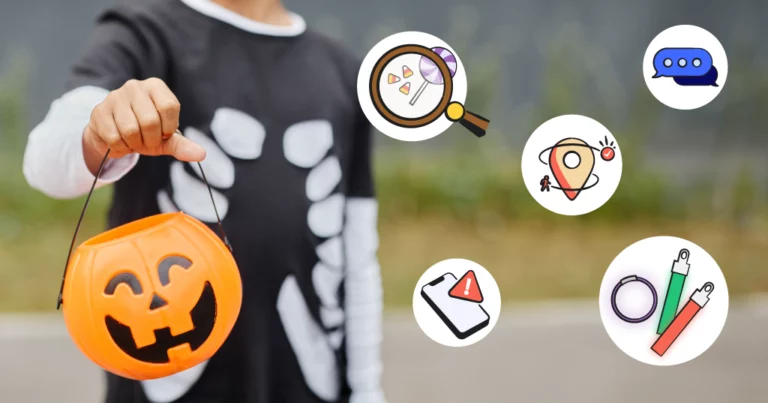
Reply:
x=53 y=160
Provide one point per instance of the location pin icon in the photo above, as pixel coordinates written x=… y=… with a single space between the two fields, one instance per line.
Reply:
x=571 y=161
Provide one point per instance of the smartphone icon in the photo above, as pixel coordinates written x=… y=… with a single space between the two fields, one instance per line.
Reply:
x=463 y=318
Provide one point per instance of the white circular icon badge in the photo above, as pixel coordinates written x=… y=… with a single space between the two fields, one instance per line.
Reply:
x=571 y=165
x=456 y=302
x=685 y=67
x=663 y=301
x=412 y=87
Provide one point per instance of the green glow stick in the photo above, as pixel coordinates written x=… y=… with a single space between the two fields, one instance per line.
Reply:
x=680 y=269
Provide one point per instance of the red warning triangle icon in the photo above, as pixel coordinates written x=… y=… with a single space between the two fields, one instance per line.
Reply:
x=467 y=288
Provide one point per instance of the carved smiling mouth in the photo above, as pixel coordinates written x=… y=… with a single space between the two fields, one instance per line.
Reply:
x=203 y=319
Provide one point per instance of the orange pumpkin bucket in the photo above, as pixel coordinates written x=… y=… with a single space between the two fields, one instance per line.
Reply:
x=152 y=297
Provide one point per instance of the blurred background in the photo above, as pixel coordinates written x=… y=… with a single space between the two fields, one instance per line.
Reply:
x=700 y=175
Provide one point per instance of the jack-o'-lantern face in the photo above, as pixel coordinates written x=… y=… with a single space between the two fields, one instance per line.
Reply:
x=141 y=336
x=153 y=297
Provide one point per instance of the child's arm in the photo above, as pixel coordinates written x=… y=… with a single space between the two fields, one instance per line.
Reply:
x=54 y=161
x=106 y=107
x=362 y=285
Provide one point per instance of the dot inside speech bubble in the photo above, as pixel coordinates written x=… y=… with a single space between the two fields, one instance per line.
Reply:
x=682 y=62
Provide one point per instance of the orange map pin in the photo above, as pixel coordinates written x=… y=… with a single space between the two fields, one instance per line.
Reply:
x=571 y=161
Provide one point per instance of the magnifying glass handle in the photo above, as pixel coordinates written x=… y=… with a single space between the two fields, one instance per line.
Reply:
x=474 y=123
x=477 y=124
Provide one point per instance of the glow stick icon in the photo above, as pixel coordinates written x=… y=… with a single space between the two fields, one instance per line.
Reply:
x=698 y=299
x=680 y=269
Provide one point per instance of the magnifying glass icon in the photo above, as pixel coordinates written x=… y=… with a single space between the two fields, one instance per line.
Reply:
x=453 y=111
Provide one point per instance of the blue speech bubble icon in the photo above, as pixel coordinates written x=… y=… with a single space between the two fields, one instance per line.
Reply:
x=682 y=62
x=710 y=78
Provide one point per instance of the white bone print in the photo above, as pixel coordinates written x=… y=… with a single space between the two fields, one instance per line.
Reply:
x=306 y=145
x=237 y=135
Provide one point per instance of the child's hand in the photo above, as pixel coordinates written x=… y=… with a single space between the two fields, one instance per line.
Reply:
x=139 y=117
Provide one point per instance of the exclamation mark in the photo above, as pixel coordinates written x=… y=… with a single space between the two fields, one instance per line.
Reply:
x=466 y=289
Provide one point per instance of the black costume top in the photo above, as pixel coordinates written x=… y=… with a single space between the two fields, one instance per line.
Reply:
x=288 y=156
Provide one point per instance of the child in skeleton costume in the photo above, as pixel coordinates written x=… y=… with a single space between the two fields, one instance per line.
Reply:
x=287 y=152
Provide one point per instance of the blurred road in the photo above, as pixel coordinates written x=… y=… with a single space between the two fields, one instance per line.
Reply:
x=545 y=353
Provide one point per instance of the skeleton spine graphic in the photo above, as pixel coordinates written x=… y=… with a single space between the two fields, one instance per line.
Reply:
x=306 y=145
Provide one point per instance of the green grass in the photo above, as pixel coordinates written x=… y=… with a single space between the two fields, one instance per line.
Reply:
x=35 y=233
x=530 y=260
x=462 y=185
x=533 y=260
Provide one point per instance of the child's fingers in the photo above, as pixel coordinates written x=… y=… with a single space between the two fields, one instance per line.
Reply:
x=149 y=120
x=92 y=138
x=128 y=126
x=166 y=104
x=183 y=148
x=103 y=121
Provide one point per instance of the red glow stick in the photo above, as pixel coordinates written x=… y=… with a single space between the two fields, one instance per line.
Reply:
x=697 y=301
